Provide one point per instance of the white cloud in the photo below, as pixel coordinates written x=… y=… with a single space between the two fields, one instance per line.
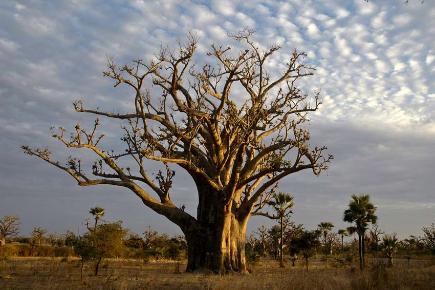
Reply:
x=402 y=20
x=341 y=13
x=375 y=60
x=224 y=7
x=312 y=30
x=8 y=46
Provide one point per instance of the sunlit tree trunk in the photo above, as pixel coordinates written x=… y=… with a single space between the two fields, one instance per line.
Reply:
x=217 y=240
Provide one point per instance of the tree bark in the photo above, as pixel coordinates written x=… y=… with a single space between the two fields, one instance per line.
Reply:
x=2 y=241
x=216 y=242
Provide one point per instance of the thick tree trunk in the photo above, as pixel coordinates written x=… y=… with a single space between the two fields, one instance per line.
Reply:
x=2 y=241
x=217 y=241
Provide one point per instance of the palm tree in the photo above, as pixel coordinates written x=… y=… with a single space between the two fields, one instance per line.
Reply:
x=389 y=245
x=342 y=233
x=282 y=204
x=98 y=213
x=325 y=228
x=361 y=212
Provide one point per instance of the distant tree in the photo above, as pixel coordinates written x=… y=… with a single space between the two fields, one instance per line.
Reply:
x=274 y=235
x=282 y=204
x=108 y=239
x=375 y=237
x=38 y=235
x=325 y=228
x=98 y=213
x=306 y=244
x=135 y=241
x=262 y=233
x=70 y=239
x=390 y=243
x=292 y=232
x=429 y=238
x=361 y=212
x=342 y=233
x=85 y=248
x=55 y=240
x=9 y=227
x=105 y=241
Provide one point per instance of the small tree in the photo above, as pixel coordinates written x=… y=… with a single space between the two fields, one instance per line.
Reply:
x=108 y=241
x=262 y=234
x=429 y=238
x=84 y=247
x=38 y=235
x=98 y=213
x=292 y=232
x=9 y=227
x=389 y=246
x=306 y=244
x=325 y=228
x=282 y=204
x=375 y=237
x=342 y=233
x=361 y=212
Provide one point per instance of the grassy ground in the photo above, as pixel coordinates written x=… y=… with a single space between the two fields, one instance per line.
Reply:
x=51 y=273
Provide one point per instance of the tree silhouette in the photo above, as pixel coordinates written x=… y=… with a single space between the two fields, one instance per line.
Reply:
x=429 y=237
x=233 y=125
x=98 y=213
x=9 y=226
x=361 y=212
x=342 y=233
x=325 y=228
x=38 y=235
x=306 y=244
x=282 y=204
x=390 y=243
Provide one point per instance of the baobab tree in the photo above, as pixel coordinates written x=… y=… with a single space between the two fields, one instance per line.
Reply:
x=235 y=126
x=361 y=212
x=38 y=235
x=9 y=226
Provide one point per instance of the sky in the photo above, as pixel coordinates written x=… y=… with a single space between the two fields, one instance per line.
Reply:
x=374 y=67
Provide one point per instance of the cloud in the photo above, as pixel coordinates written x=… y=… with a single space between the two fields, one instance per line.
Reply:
x=375 y=69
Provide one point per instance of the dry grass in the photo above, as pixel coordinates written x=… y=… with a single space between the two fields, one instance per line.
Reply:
x=51 y=273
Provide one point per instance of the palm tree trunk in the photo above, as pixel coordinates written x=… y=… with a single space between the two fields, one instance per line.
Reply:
x=342 y=244
x=360 y=252
x=363 y=250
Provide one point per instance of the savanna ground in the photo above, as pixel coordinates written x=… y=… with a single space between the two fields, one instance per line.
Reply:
x=54 y=273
